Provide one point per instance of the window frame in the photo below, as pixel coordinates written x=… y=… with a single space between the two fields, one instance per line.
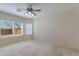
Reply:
x=13 y=35
x=26 y=28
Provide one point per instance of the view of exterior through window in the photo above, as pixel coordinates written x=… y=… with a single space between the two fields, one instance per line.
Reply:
x=6 y=27
x=14 y=28
x=10 y=28
x=18 y=28
x=29 y=29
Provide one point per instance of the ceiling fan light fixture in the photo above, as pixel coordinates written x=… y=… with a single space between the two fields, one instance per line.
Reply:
x=29 y=11
x=32 y=14
x=26 y=14
x=29 y=14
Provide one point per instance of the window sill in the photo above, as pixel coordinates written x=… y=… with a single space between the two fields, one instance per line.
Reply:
x=8 y=36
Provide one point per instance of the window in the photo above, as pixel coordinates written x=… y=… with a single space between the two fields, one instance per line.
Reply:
x=18 y=28
x=6 y=27
x=29 y=29
x=10 y=28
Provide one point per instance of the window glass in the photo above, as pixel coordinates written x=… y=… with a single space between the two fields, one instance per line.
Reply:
x=14 y=28
x=10 y=28
x=6 y=27
x=18 y=27
x=29 y=29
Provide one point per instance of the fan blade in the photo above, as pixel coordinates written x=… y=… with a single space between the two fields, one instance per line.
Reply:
x=20 y=9
x=34 y=13
x=37 y=10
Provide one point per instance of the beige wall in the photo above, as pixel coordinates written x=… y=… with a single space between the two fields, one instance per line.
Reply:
x=10 y=40
x=78 y=29
x=60 y=29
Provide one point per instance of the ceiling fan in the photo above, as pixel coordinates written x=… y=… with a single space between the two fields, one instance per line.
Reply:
x=29 y=10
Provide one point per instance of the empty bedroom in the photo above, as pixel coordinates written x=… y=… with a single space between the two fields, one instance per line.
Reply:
x=39 y=29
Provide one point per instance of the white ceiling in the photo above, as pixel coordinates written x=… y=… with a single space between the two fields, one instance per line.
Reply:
x=47 y=8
